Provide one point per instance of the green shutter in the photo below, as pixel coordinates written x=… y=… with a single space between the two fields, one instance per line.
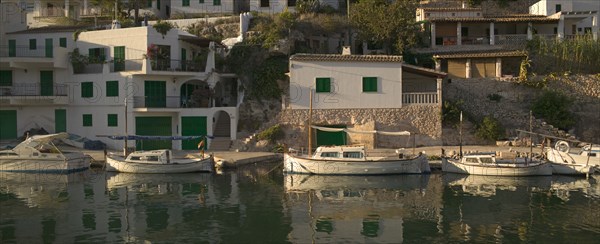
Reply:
x=323 y=85
x=62 y=42
x=60 y=120
x=113 y=120
x=153 y=126
x=157 y=4
x=32 y=44
x=8 y=124
x=87 y=120
x=185 y=3
x=155 y=93
x=46 y=83
x=87 y=89
x=183 y=59
x=217 y=2
x=112 y=88
x=119 y=58
x=96 y=55
x=325 y=138
x=149 y=5
x=200 y=1
x=49 y=48
x=12 y=48
x=5 y=77
x=192 y=126
x=369 y=84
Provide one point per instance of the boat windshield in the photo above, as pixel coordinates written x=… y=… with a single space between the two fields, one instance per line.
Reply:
x=330 y=155
x=472 y=160
x=352 y=155
x=486 y=160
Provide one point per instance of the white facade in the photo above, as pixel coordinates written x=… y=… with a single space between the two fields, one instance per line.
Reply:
x=585 y=21
x=550 y=7
x=71 y=89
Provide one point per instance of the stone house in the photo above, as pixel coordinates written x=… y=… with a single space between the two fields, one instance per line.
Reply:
x=364 y=92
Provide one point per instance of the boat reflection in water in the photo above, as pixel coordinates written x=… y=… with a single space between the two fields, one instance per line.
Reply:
x=520 y=209
x=358 y=208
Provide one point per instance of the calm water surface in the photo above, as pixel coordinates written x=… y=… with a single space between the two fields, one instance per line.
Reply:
x=256 y=205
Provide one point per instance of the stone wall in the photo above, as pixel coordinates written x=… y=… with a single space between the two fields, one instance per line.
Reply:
x=422 y=120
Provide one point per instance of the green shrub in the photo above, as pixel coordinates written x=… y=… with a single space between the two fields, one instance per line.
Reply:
x=451 y=113
x=553 y=107
x=490 y=129
x=271 y=134
x=494 y=97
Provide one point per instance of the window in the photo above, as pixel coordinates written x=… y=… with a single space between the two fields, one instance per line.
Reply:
x=369 y=84
x=87 y=120
x=112 y=88
x=217 y=2
x=62 y=42
x=329 y=154
x=464 y=31
x=200 y=1
x=185 y=3
x=5 y=77
x=486 y=160
x=32 y=44
x=472 y=160
x=87 y=89
x=149 y=4
x=96 y=55
x=558 y=8
x=157 y=4
x=264 y=3
x=555 y=30
x=291 y=3
x=352 y=155
x=113 y=120
x=323 y=85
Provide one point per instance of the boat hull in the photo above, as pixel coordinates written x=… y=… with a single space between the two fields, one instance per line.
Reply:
x=573 y=169
x=60 y=165
x=301 y=165
x=452 y=166
x=118 y=164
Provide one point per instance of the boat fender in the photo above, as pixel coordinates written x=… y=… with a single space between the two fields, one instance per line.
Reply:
x=562 y=146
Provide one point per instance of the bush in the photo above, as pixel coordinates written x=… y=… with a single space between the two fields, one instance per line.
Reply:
x=494 y=97
x=490 y=129
x=554 y=108
x=451 y=113
x=271 y=134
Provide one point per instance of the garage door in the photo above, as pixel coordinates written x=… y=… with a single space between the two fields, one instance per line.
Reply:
x=192 y=126
x=457 y=67
x=483 y=67
x=325 y=138
x=153 y=126
x=8 y=124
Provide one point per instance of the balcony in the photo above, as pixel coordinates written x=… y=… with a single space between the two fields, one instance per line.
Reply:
x=22 y=57
x=169 y=102
x=46 y=12
x=34 y=94
x=174 y=65
x=420 y=98
x=26 y=52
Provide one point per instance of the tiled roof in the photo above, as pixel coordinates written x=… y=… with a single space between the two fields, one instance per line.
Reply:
x=52 y=29
x=444 y=9
x=346 y=58
x=524 y=18
x=482 y=54
x=421 y=70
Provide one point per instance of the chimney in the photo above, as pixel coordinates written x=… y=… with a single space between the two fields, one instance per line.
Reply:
x=346 y=50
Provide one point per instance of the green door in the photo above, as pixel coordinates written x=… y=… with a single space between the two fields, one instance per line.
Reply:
x=46 y=83
x=325 y=138
x=192 y=126
x=183 y=59
x=12 y=48
x=155 y=93
x=119 y=58
x=153 y=126
x=49 y=48
x=60 y=120
x=8 y=124
x=186 y=94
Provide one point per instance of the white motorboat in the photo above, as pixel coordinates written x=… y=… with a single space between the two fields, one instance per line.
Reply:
x=489 y=164
x=565 y=161
x=353 y=160
x=157 y=162
x=38 y=154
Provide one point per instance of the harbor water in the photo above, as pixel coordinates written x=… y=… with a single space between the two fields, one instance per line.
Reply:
x=259 y=204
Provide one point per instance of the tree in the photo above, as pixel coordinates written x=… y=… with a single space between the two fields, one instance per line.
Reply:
x=391 y=24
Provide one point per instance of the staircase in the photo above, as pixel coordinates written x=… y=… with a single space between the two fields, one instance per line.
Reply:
x=222 y=140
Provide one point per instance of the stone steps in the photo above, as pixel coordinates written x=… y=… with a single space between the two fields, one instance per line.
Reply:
x=220 y=144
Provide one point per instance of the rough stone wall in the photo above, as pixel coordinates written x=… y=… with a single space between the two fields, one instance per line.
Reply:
x=424 y=120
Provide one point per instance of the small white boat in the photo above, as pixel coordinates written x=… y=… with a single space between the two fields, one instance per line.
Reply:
x=489 y=164
x=157 y=162
x=352 y=160
x=564 y=161
x=38 y=154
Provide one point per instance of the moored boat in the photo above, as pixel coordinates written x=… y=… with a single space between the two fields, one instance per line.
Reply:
x=564 y=161
x=157 y=162
x=489 y=164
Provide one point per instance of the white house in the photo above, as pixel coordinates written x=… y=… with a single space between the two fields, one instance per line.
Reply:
x=577 y=17
x=166 y=9
x=365 y=92
x=169 y=83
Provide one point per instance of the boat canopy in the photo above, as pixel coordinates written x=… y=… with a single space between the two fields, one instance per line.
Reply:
x=387 y=133
x=37 y=140
x=136 y=137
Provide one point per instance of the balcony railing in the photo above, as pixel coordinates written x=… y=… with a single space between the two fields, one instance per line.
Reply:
x=420 y=98
x=26 y=52
x=126 y=65
x=176 y=65
x=168 y=102
x=50 y=12
x=475 y=40
x=34 y=90
x=514 y=39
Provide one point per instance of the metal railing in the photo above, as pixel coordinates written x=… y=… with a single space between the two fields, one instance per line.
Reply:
x=176 y=65
x=514 y=39
x=169 y=102
x=420 y=98
x=126 y=65
x=34 y=90
x=25 y=52
x=94 y=68
x=475 y=40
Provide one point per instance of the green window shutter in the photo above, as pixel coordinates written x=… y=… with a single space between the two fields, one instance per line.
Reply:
x=149 y=4
x=46 y=83
x=217 y=2
x=200 y=1
x=62 y=42
x=12 y=48
x=369 y=84
x=113 y=120
x=5 y=77
x=323 y=85
x=87 y=89
x=32 y=44
x=112 y=88
x=96 y=55
x=119 y=58
x=185 y=3
x=157 y=4
x=87 y=120
x=49 y=48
